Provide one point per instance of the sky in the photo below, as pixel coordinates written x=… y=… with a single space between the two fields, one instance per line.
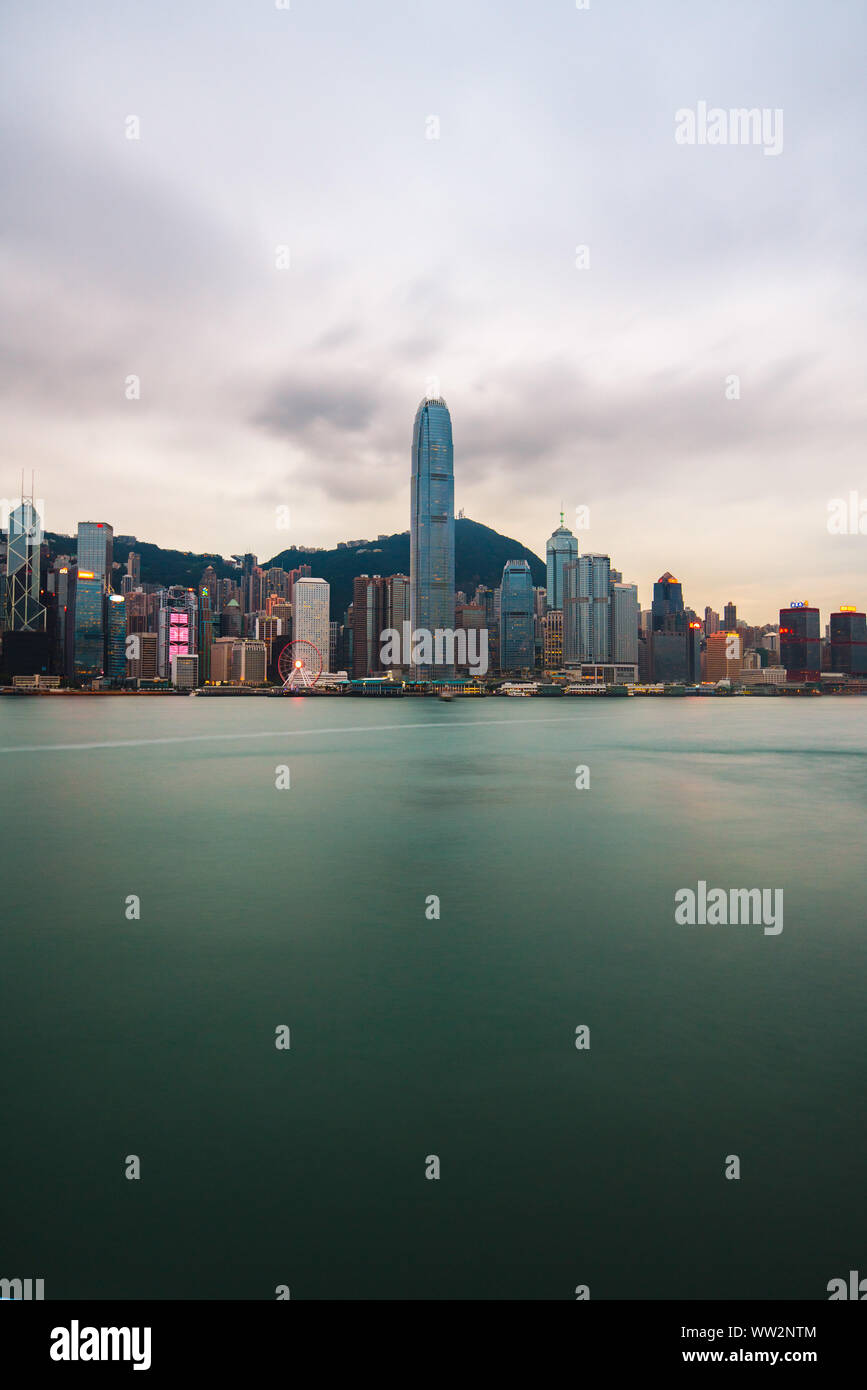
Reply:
x=215 y=336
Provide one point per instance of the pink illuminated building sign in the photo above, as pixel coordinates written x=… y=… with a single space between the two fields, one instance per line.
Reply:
x=179 y=635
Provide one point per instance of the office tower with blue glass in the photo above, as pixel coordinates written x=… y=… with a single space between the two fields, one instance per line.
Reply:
x=89 y=639
x=517 y=646
x=432 y=525
x=96 y=549
x=95 y=554
x=561 y=550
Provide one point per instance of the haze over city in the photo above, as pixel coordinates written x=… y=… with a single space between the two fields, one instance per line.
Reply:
x=431 y=174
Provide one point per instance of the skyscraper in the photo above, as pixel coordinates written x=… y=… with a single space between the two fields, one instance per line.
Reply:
x=552 y=640
x=561 y=550
x=177 y=626
x=398 y=602
x=675 y=638
x=517 y=646
x=89 y=638
x=230 y=619
x=432 y=522
x=64 y=580
x=302 y=572
x=96 y=549
x=800 y=645
x=587 y=610
x=730 y=617
x=115 y=638
x=311 y=616
x=369 y=621
x=23 y=610
x=624 y=623
x=277 y=582
x=723 y=656
x=207 y=614
x=849 y=642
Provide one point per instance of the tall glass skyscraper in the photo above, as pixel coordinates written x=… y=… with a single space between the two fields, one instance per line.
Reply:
x=517 y=646
x=561 y=550
x=24 y=612
x=96 y=549
x=115 y=638
x=432 y=524
x=89 y=641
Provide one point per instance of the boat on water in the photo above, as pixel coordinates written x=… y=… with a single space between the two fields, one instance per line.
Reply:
x=445 y=695
x=513 y=688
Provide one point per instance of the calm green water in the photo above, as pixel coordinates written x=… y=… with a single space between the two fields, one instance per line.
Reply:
x=412 y=1037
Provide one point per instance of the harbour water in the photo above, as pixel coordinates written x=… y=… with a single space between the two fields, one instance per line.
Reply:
x=412 y=1035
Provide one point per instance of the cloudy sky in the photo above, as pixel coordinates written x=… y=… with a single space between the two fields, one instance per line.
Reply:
x=417 y=262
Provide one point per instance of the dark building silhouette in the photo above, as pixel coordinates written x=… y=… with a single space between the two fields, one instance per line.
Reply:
x=849 y=642
x=800 y=645
x=675 y=635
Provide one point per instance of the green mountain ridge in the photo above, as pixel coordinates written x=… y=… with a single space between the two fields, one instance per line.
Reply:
x=480 y=554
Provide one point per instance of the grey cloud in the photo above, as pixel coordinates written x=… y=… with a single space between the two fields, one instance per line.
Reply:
x=300 y=402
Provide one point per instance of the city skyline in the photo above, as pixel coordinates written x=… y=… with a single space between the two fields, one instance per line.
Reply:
x=250 y=630
x=25 y=514
x=221 y=326
x=433 y=670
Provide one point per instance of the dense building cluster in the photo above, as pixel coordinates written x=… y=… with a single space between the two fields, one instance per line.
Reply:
x=85 y=621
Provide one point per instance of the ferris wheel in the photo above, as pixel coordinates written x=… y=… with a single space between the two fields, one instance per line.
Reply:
x=299 y=664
